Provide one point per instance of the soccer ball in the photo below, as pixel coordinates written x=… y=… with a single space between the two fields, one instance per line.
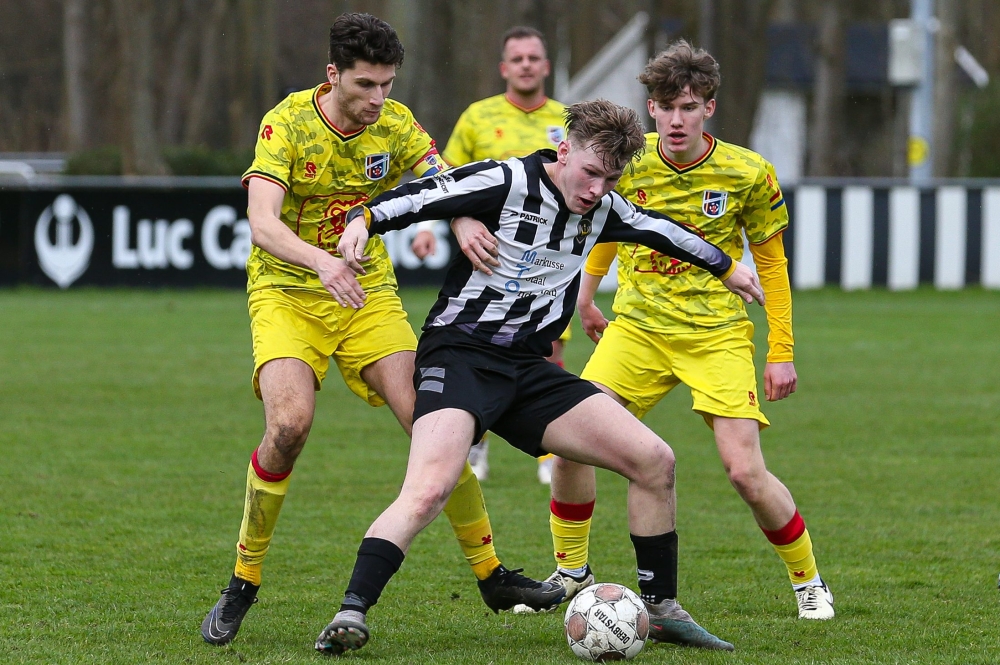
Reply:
x=606 y=622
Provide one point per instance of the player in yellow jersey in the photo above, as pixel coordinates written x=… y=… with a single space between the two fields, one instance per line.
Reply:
x=675 y=326
x=515 y=123
x=318 y=153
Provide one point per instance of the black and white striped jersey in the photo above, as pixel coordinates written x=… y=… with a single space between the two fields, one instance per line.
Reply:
x=529 y=299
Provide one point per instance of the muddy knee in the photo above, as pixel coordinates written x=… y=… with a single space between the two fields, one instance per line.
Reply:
x=286 y=438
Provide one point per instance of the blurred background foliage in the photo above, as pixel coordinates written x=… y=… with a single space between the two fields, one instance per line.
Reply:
x=144 y=86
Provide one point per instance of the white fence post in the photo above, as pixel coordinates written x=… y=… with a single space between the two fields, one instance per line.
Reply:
x=856 y=247
x=810 y=237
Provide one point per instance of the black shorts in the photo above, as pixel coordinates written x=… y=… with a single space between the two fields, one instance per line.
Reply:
x=512 y=393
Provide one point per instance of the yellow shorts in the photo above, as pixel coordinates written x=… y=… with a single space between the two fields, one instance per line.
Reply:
x=643 y=366
x=310 y=326
x=567 y=334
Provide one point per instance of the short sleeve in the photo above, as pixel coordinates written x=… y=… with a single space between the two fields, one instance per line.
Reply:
x=458 y=152
x=765 y=213
x=416 y=148
x=274 y=153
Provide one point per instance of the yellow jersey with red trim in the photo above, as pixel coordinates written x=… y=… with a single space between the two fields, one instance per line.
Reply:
x=325 y=172
x=496 y=128
x=728 y=191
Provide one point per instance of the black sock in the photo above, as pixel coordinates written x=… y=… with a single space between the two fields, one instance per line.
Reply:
x=656 y=560
x=378 y=560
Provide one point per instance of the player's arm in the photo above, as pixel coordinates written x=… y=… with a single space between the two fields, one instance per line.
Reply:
x=780 y=379
x=418 y=145
x=764 y=218
x=598 y=263
x=425 y=242
x=628 y=223
x=478 y=189
x=268 y=232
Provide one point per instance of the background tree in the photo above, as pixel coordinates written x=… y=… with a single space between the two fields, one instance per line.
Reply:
x=139 y=145
x=75 y=40
x=828 y=91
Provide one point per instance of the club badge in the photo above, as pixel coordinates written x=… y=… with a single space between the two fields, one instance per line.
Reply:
x=556 y=134
x=713 y=204
x=377 y=166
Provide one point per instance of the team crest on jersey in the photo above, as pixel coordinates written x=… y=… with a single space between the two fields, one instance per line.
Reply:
x=584 y=228
x=713 y=204
x=556 y=134
x=377 y=166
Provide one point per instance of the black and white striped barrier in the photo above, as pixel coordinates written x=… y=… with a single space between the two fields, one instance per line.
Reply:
x=862 y=234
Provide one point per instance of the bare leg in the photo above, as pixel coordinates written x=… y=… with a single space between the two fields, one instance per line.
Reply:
x=576 y=483
x=600 y=432
x=441 y=441
x=392 y=378
x=288 y=388
x=738 y=441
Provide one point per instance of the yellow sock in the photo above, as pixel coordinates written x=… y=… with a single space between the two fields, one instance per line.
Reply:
x=265 y=494
x=466 y=510
x=570 y=527
x=799 y=559
x=793 y=545
x=545 y=458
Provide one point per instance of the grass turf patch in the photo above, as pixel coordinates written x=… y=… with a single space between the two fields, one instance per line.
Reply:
x=127 y=420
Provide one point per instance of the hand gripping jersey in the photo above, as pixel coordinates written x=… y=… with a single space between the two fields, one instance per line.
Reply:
x=528 y=301
x=496 y=128
x=325 y=172
x=729 y=190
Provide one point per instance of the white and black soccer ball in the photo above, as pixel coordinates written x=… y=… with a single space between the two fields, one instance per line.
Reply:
x=606 y=622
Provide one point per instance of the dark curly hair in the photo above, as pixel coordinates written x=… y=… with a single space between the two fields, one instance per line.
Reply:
x=364 y=37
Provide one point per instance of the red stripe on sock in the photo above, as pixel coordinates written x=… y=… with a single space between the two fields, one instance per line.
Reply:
x=572 y=512
x=789 y=533
x=264 y=475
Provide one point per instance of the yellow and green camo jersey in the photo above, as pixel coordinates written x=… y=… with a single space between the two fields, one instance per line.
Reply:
x=325 y=172
x=728 y=190
x=496 y=128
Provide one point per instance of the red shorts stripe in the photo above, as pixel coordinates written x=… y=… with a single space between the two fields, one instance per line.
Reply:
x=267 y=476
x=572 y=512
x=789 y=533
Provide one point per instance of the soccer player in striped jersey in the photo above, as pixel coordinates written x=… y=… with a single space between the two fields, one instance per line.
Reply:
x=320 y=152
x=515 y=123
x=676 y=325
x=481 y=360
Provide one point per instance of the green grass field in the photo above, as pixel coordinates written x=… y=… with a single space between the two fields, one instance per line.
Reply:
x=127 y=419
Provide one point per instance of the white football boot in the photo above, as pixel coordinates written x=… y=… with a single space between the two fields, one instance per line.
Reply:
x=815 y=601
